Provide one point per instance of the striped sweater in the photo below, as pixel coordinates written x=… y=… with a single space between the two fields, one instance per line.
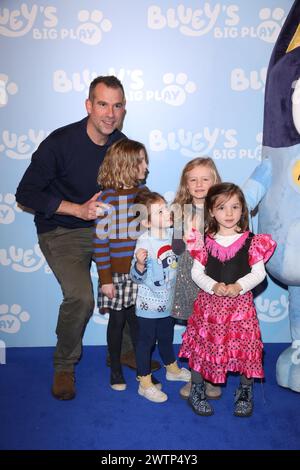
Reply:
x=115 y=234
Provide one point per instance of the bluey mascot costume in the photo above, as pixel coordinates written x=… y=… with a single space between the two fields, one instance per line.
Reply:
x=275 y=183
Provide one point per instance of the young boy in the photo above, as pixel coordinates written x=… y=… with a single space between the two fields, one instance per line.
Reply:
x=154 y=270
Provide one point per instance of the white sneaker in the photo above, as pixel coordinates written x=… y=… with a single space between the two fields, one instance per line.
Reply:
x=152 y=394
x=157 y=385
x=119 y=387
x=183 y=375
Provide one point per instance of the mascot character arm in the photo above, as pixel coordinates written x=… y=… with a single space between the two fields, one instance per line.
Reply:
x=258 y=184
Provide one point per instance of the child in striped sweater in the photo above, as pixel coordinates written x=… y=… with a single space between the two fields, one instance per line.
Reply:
x=120 y=175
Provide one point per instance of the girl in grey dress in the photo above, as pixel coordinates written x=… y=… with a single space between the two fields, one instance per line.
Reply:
x=186 y=290
x=197 y=177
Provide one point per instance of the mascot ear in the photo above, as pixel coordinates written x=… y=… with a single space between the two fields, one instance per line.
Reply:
x=296 y=105
x=295 y=42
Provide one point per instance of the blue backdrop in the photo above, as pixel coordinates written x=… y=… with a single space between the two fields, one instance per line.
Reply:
x=194 y=75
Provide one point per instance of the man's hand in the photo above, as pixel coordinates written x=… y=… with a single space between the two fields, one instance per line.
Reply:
x=89 y=210
x=141 y=257
x=92 y=208
x=109 y=290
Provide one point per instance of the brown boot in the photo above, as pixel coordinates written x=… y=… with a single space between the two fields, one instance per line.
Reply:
x=185 y=390
x=128 y=359
x=63 y=387
x=213 y=392
x=155 y=365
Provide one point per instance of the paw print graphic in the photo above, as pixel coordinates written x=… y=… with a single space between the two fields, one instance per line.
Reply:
x=176 y=88
x=272 y=22
x=8 y=206
x=93 y=24
x=12 y=318
x=6 y=88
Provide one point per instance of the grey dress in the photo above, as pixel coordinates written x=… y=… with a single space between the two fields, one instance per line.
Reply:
x=186 y=290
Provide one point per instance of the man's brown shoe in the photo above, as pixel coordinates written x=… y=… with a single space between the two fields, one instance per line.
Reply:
x=128 y=359
x=64 y=385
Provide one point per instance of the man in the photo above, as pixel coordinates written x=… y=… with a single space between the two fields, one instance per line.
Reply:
x=60 y=186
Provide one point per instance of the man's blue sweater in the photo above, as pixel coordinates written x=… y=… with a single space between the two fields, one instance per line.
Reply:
x=64 y=167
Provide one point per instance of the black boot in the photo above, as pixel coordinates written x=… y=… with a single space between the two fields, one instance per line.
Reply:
x=197 y=400
x=243 y=400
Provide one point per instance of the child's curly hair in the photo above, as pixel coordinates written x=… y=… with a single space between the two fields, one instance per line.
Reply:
x=120 y=167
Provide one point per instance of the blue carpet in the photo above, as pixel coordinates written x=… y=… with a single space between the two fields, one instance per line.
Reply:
x=100 y=418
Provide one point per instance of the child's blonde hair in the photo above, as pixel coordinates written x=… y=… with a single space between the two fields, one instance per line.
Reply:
x=120 y=167
x=183 y=196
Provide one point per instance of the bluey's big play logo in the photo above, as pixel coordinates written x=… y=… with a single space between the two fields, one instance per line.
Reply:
x=22 y=260
x=190 y=22
x=21 y=147
x=174 y=89
x=89 y=28
x=224 y=21
x=241 y=80
x=272 y=311
x=17 y=23
x=219 y=143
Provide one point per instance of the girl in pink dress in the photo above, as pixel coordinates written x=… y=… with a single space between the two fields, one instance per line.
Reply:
x=223 y=333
